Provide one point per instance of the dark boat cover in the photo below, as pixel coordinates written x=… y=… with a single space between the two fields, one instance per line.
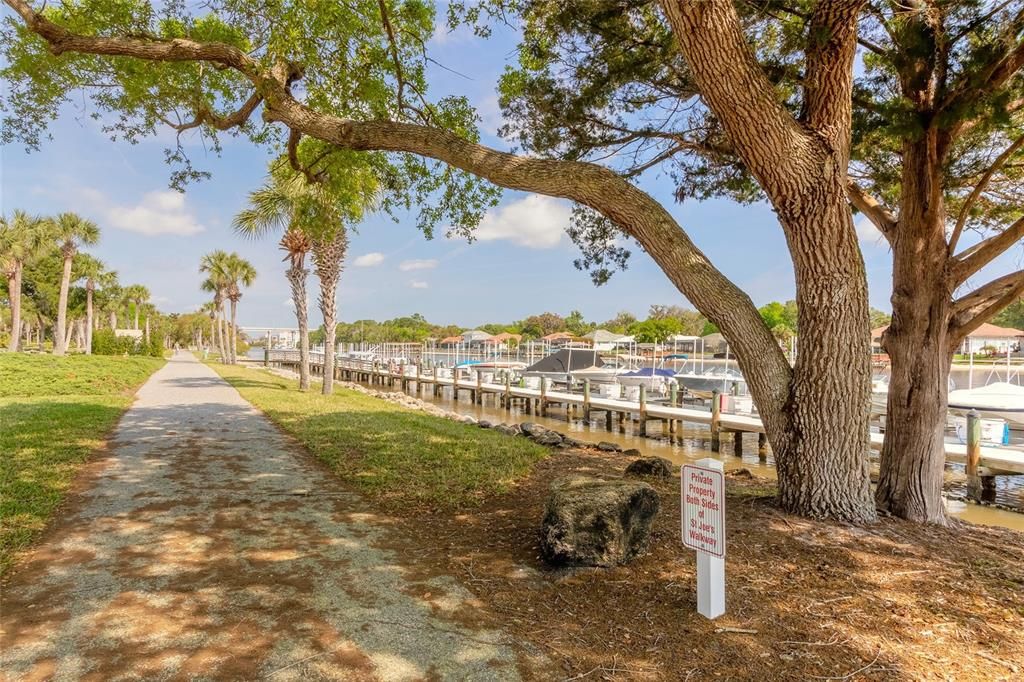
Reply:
x=567 y=360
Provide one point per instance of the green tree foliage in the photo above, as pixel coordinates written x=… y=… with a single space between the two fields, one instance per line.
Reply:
x=349 y=60
x=655 y=330
x=1012 y=316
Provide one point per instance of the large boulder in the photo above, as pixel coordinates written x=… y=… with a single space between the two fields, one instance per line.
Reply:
x=658 y=467
x=609 y=447
x=593 y=522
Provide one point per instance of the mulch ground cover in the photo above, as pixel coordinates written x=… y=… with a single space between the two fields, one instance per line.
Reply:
x=805 y=600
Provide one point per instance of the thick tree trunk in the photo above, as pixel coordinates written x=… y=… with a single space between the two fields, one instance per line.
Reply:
x=233 y=349
x=913 y=454
x=297 y=280
x=14 y=288
x=147 y=330
x=113 y=320
x=821 y=439
x=59 y=342
x=136 y=327
x=88 y=320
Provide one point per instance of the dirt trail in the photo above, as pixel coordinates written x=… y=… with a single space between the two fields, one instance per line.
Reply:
x=206 y=545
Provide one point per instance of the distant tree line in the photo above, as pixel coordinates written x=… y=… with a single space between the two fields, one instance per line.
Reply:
x=662 y=322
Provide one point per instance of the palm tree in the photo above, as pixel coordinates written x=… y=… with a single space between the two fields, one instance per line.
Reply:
x=316 y=205
x=209 y=309
x=277 y=205
x=22 y=239
x=71 y=232
x=213 y=265
x=239 y=273
x=329 y=250
x=91 y=270
x=137 y=295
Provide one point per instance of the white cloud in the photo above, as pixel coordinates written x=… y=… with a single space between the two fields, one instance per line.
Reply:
x=417 y=284
x=418 y=264
x=867 y=233
x=443 y=35
x=368 y=260
x=535 y=221
x=159 y=212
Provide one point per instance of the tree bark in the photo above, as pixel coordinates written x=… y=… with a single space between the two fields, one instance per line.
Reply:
x=59 y=342
x=113 y=320
x=297 y=279
x=233 y=346
x=328 y=256
x=221 y=334
x=913 y=453
x=820 y=436
x=14 y=288
x=88 y=318
x=137 y=306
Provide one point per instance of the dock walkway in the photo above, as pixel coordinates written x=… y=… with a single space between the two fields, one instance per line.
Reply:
x=995 y=461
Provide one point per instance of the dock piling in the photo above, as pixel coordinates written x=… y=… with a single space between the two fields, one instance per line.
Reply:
x=716 y=416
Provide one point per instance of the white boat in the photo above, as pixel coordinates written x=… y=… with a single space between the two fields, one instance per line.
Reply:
x=998 y=400
x=716 y=378
x=599 y=375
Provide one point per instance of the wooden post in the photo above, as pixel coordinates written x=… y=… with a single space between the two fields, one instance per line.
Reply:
x=608 y=420
x=973 y=454
x=586 y=400
x=479 y=394
x=508 y=391
x=436 y=387
x=643 y=410
x=716 y=415
x=762 y=447
x=673 y=396
x=543 y=396
x=737 y=443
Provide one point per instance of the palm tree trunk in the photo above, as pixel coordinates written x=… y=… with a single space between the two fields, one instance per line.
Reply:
x=113 y=320
x=297 y=278
x=14 y=289
x=233 y=349
x=88 y=320
x=222 y=334
x=328 y=255
x=68 y=334
x=59 y=343
x=137 y=305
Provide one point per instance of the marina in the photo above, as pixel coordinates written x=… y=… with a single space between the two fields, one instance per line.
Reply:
x=666 y=417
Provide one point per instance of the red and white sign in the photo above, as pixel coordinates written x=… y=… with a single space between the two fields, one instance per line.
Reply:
x=703 y=504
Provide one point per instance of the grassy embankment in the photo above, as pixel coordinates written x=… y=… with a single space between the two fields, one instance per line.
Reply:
x=54 y=412
x=397 y=455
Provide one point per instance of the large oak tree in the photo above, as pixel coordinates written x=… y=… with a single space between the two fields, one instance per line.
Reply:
x=353 y=75
x=937 y=151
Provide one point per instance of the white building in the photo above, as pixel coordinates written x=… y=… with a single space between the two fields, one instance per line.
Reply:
x=989 y=336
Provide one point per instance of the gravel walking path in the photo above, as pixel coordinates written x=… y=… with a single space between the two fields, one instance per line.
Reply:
x=207 y=545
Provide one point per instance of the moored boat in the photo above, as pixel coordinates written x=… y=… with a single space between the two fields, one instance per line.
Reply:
x=999 y=400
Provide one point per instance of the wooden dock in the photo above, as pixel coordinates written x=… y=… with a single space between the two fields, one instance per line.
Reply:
x=995 y=461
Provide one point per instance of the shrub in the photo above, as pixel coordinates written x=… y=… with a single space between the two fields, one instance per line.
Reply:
x=105 y=342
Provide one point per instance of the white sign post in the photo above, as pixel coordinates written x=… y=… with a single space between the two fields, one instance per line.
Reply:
x=702 y=490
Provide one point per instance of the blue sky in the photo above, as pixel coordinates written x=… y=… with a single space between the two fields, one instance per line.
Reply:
x=521 y=265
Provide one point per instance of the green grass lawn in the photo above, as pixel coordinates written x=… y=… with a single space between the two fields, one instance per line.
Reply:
x=397 y=455
x=54 y=412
